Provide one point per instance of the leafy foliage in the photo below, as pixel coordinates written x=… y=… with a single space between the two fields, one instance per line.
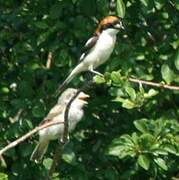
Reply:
x=148 y=49
x=154 y=147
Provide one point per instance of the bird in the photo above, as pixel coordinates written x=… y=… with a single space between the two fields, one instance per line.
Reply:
x=97 y=49
x=56 y=114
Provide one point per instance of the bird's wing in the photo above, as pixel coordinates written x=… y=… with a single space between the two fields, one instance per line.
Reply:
x=88 y=46
x=56 y=110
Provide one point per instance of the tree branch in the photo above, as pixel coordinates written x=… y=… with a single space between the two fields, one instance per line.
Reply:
x=49 y=60
x=59 y=151
x=154 y=84
x=24 y=137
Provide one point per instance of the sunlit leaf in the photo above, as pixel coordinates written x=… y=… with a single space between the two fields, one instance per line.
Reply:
x=145 y=2
x=99 y=79
x=69 y=156
x=167 y=73
x=141 y=125
x=116 y=77
x=47 y=163
x=144 y=161
x=161 y=163
x=131 y=92
x=3 y=176
x=128 y=104
x=177 y=60
x=121 y=8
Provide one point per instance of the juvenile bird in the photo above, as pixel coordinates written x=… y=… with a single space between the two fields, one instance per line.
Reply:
x=56 y=114
x=97 y=49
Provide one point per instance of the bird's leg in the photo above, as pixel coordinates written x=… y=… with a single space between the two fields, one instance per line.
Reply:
x=95 y=72
x=62 y=142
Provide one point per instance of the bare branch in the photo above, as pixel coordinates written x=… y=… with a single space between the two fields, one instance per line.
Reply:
x=49 y=60
x=24 y=137
x=17 y=116
x=154 y=84
x=59 y=150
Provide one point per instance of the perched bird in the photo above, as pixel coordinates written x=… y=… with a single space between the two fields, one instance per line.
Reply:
x=97 y=49
x=56 y=114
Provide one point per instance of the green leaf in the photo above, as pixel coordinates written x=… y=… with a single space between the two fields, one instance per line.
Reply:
x=116 y=77
x=167 y=73
x=131 y=92
x=145 y=2
x=151 y=93
x=146 y=140
x=158 y=151
x=161 y=163
x=176 y=2
x=141 y=125
x=3 y=176
x=69 y=156
x=5 y=90
x=128 y=104
x=143 y=161
x=135 y=138
x=175 y=44
x=47 y=163
x=121 y=8
x=124 y=139
x=116 y=151
x=122 y=150
x=170 y=148
x=177 y=60
x=99 y=79
x=159 y=4
x=122 y=147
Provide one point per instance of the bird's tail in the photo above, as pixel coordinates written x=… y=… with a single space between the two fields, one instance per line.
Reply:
x=39 y=151
x=75 y=71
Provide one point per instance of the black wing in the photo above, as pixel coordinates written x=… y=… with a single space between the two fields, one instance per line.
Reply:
x=88 y=46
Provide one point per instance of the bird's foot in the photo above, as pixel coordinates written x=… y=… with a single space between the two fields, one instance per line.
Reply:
x=96 y=72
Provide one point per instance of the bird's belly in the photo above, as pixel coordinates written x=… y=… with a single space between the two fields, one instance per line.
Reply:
x=56 y=131
x=100 y=53
x=53 y=132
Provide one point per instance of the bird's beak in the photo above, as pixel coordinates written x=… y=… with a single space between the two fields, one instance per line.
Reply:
x=122 y=27
x=83 y=97
x=119 y=26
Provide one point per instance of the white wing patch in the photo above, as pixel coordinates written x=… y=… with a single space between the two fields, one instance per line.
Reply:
x=82 y=56
x=88 y=46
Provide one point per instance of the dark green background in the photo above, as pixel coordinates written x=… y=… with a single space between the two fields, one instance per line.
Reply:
x=147 y=49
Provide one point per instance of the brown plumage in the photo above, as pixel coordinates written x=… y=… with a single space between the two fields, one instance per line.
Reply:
x=97 y=49
x=107 y=22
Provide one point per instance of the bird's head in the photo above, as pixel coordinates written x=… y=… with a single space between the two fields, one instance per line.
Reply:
x=68 y=94
x=111 y=24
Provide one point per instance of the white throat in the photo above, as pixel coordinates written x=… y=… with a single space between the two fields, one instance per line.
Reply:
x=111 y=31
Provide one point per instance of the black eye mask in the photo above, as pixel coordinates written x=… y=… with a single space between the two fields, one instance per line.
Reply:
x=111 y=25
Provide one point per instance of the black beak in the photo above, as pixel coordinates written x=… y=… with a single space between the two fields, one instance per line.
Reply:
x=119 y=26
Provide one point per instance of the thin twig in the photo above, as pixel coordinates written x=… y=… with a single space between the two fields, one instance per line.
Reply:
x=17 y=116
x=154 y=84
x=63 y=140
x=27 y=135
x=49 y=60
x=59 y=151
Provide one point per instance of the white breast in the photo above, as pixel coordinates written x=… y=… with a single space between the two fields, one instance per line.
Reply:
x=101 y=51
x=56 y=131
